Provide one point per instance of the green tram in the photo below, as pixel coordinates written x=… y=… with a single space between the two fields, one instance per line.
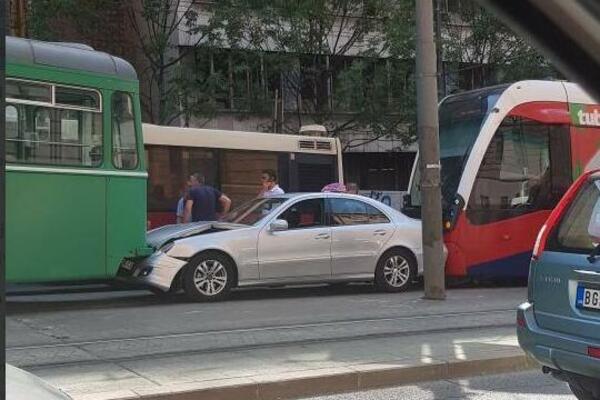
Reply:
x=75 y=173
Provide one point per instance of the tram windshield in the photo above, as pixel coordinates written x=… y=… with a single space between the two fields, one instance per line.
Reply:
x=460 y=119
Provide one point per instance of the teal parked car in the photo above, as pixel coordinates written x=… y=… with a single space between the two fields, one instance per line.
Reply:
x=559 y=325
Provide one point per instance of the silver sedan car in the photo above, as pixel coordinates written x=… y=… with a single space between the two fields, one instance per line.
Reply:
x=289 y=239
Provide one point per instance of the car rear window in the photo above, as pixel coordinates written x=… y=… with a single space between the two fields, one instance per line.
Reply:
x=579 y=229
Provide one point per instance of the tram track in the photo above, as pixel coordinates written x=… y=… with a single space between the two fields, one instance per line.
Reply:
x=253 y=337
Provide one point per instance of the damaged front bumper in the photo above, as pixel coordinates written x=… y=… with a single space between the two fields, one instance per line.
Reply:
x=158 y=270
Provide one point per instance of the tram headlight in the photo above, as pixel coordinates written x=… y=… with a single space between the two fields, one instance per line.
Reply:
x=450 y=214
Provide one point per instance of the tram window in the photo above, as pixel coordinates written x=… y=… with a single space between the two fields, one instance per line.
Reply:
x=125 y=155
x=12 y=132
x=169 y=168
x=240 y=171
x=42 y=124
x=29 y=91
x=77 y=98
x=12 y=122
x=53 y=136
x=516 y=176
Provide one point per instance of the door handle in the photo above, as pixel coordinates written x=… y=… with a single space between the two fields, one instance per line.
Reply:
x=586 y=275
x=322 y=236
x=380 y=232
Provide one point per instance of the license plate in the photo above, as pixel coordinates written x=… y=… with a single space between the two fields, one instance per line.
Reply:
x=588 y=298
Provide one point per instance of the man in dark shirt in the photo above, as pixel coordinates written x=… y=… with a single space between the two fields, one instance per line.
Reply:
x=202 y=202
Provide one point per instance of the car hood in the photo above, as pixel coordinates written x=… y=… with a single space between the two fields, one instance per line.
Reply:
x=160 y=236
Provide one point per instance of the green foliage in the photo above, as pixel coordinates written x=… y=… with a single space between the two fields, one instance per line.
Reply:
x=348 y=64
x=43 y=16
x=486 y=52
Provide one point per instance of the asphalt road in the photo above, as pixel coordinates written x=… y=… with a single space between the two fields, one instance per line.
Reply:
x=520 y=386
x=74 y=325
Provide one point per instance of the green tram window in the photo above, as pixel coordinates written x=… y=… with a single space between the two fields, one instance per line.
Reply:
x=28 y=91
x=124 y=146
x=42 y=131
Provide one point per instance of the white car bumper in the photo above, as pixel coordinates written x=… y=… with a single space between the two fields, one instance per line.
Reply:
x=159 y=270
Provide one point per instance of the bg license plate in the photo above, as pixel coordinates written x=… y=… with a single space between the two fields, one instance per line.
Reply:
x=588 y=298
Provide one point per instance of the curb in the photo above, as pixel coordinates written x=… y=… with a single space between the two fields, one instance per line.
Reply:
x=328 y=381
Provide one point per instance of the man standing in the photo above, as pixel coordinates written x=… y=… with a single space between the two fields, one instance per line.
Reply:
x=202 y=201
x=270 y=187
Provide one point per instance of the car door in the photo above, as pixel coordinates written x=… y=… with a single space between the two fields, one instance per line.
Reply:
x=303 y=250
x=359 y=231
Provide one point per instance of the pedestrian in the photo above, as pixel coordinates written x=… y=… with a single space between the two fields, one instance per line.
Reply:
x=335 y=187
x=269 y=184
x=352 y=188
x=203 y=202
x=180 y=213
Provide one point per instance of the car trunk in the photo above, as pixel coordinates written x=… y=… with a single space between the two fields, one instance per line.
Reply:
x=566 y=279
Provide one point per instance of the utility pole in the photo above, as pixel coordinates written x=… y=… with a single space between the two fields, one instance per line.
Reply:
x=441 y=69
x=429 y=150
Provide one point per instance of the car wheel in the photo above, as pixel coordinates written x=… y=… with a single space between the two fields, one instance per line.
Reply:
x=395 y=271
x=208 y=277
x=581 y=393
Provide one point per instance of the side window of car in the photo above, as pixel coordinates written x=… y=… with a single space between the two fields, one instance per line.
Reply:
x=349 y=212
x=376 y=216
x=304 y=214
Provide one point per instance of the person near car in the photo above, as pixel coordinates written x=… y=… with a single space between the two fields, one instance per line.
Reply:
x=203 y=202
x=352 y=188
x=180 y=212
x=335 y=187
x=269 y=184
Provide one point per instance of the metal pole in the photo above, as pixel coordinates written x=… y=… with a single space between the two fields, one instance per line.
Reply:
x=429 y=150
x=441 y=69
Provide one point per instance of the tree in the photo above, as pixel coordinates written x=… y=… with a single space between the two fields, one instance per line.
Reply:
x=334 y=62
x=44 y=16
x=171 y=91
x=482 y=51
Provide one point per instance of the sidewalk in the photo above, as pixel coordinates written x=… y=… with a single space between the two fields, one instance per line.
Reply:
x=285 y=371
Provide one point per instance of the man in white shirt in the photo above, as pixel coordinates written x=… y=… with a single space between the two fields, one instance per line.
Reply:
x=269 y=184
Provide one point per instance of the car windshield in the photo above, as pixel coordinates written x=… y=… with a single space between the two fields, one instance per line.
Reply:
x=254 y=211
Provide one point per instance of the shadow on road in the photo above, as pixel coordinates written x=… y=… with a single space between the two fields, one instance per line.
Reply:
x=36 y=299
x=47 y=299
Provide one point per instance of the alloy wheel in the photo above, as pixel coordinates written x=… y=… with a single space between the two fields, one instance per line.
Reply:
x=396 y=271
x=210 y=277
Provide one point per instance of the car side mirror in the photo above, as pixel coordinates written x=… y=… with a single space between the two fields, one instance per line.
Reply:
x=278 y=225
